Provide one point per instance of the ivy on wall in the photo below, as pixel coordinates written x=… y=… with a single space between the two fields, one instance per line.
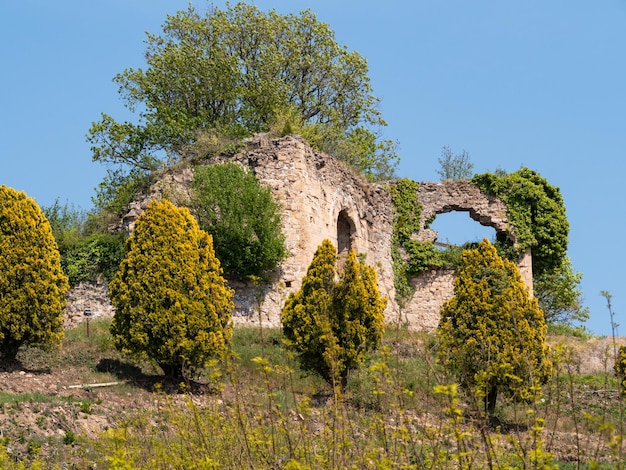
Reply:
x=410 y=257
x=536 y=210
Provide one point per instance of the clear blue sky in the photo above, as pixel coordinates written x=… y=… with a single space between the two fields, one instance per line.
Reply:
x=533 y=83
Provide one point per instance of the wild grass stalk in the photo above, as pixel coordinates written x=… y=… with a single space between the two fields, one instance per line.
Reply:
x=400 y=410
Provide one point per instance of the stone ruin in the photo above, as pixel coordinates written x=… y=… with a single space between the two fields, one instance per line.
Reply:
x=321 y=198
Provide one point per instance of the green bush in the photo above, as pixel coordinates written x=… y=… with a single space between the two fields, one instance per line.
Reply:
x=32 y=283
x=537 y=211
x=172 y=304
x=96 y=256
x=332 y=324
x=492 y=333
x=242 y=217
x=86 y=255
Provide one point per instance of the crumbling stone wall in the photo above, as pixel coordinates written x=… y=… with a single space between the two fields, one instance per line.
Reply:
x=321 y=198
x=463 y=196
x=87 y=296
x=434 y=287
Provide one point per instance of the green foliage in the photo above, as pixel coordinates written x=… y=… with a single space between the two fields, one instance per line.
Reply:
x=332 y=324
x=67 y=223
x=407 y=209
x=411 y=257
x=537 y=211
x=94 y=257
x=620 y=368
x=559 y=295
x=566 y=329
x=32 y=283
x=242 y=217
x=85 y=257
x=406 y=219
x=238 y=71
x=455 y=167
x=116 y=191
x=492 y=333
x=172 y=304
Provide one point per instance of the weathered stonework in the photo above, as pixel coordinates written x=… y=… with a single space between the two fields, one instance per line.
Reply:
x=172 y=185
x=432 y=289
x=320 y=199
x=87 y=296
x=462 y=196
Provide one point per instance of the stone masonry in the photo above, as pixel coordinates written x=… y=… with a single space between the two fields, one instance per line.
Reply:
x=321 y=198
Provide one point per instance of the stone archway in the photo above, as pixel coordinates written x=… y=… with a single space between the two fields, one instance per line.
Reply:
x=434 y=287
x=486 y=209
x=461 y=196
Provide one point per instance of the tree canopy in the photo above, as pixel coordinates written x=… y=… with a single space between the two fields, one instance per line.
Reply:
x=32 y=283
x=492 y=334
x=455 y=167
x=171 y=303
x=239 y=71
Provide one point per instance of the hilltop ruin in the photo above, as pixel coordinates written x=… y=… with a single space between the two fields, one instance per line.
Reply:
x=321 y=198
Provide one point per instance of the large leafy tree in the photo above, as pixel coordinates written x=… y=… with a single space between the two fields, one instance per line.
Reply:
x=172 y=304
x=242 y=217
x=492 y=334
x=559 y=295
x=239 y=71
x=32 y=283
x=331 y=324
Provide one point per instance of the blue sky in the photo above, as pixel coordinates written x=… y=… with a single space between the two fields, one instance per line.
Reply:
x=533 y=83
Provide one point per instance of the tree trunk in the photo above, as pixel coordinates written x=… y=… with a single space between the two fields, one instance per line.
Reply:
x=490 y=400
x=174 y=372
x=9 y=349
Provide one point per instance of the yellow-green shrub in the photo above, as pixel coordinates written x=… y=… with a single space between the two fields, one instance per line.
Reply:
x=172 y=303
x=32 y=284
x=332 y=324
x=492 y=333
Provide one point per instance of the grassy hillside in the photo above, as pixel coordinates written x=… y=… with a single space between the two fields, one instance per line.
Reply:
x=90 y=407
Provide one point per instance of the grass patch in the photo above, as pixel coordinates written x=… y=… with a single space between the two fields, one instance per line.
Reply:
x=260 y=410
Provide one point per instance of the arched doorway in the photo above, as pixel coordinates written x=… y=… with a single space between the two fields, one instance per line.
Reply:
x=345 y=233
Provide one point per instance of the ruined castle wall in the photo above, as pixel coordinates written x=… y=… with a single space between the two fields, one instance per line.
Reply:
x=87 y=296
x=463 y=196
x=486 y=209
x=321 y=199
x=432 y=289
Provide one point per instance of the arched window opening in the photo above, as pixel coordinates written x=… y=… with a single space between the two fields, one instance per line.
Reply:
x=457 y=228
x=345 y=233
